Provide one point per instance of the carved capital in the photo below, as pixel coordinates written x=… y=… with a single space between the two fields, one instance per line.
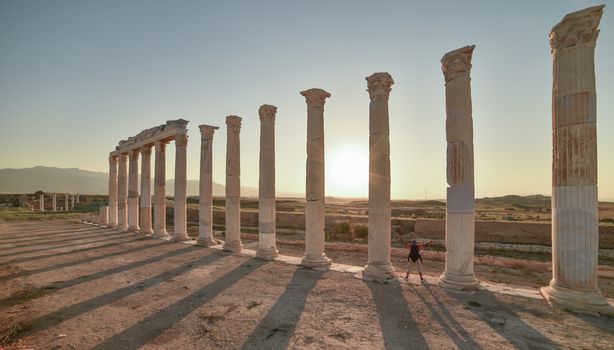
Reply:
x=123 y=157
x=206 y=131
x=112 y=160
x=315 y=97
x=267 y=113
x=233 y=123
x=161 y=146
x=134 y=154
x=456 y=63
x=576 y=28
x=181 y=140
x=379 y=84
x=146 y=150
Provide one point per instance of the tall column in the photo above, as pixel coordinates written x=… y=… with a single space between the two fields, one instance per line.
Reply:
x=314 y=195
x=378 y=265
x=205 y=202
x=72 y=201
x=54 y=205
x=41 y=202
x=233 y=185
x=160 y=191
x=122 y=192
x=133 y=191
x=145 y=202
x=460 y=208
x=575 y=229
x=112 y=191
x=180 y=210
x=77 y=199
x=66 y=208
x=267 y=248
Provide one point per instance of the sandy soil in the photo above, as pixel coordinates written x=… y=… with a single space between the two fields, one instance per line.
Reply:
x=72 y=286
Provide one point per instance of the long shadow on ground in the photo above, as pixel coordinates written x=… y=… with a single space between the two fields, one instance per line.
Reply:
x=277 y=328
x=57 y=239
x=44 y=232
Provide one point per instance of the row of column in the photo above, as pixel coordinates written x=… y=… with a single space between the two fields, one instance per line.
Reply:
x=54 y=207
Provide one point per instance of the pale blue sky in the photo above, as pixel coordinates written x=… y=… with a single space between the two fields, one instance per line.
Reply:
x=78 y=76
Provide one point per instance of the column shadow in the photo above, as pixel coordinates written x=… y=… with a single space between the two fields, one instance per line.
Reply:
x=399 y=329
x=151 y=327
x=277 y=328
x=28 y=238
x=66 y=237
x=106 y=238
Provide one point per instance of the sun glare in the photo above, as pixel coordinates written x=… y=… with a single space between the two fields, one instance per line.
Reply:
x=348 y=171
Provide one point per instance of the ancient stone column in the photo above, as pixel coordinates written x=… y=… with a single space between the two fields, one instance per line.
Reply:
x=575 y=229
x=314 y=195
x=122 y=192
x=145 y=202
x=72 y=201
x=160 y=191
x=233 y=185
x=180 y=210
x=133 y=191
x=41 y=202
x=267 y=248
x=77 y=199
x=103 y=216
x=460 y=208
x=112 y=191
x=66 y=208
x=378 y=265
x=54 y=198
x=205 y=201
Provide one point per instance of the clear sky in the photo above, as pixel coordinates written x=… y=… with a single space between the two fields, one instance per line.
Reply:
x=78 y=76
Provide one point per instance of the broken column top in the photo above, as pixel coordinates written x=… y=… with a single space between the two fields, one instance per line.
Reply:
x=267 y=112
x=315 y=96
x=207 y=131
x=233 y=123
x=379 y=84
x=576 y=28
x=457 y=62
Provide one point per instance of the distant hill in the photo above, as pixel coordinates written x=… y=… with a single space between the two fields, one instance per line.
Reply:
x=523 y=202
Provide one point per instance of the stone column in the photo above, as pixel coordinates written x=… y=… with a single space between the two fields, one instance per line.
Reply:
x=160 y=191
x=41 y=202
x=103 y=218
x=460 y=208
x=77 y=199
x=575 y=228
x=314 y=194
x=122 y=192
x=66 y=208
x=233 y=185
x=112 y=191
x=180 y=210
x=54 y=205
x=72 y=201
x=267 y=248
x=205 y=201
x=378 y=265
x=145 y=202
x=133 y=191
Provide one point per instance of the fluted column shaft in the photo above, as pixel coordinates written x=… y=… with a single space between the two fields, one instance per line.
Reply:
x=41 y=201
x=54 y=198
x=133 y=191
x=160 y=191
x=66 y=208
x=113 y=191
x=205 y=202
x=575 y=226
x=72 y=201
x=233 y=185
x=122 y=192
x=180 y=210
x=314 y=194
x=460 y=208
x=378 y=264
x=145 y=202
x=267 y=246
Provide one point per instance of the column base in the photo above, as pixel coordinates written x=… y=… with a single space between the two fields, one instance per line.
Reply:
x=315 y=261
x=267 y=253
x=591 y=303
x=134 y=229
x=146 y=231
x=160 y=234
x=123 y=228
x=458 y=282
x=180 y=238
x=235 y=246
x=206 y=242
x=379 y=272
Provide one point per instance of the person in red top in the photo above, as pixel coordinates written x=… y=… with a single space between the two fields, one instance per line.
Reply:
x=414 y=257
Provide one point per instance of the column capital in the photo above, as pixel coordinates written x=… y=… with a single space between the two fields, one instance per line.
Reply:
x=123 y=157
x=315 y=97
x=113 y=160
x=233 y=123
x=146 y=150
x=134 y=154
x=379 y=84
x=181 y=140
x=576 y=28
x=160 y=146
x=267 y=113
x=457 y=62
x=206 y=131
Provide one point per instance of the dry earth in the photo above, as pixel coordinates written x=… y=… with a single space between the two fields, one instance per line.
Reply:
x=73 y=286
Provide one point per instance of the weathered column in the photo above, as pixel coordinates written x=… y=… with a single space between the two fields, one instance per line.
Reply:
x=160 y=191
x=66 y=208
x=122 y=192
x=205 y=201
x=72 y=201
x=180 y=234
x=233 y=185
x=575 y=229
x=145 y=202
x=133 y=191
x=78 y=198
x=103 y=216
x=112 y=191
x=41 y=202
x=314 y=194
x=267 y=248
x=460 y=208
x=54 y=205
x=378 y=265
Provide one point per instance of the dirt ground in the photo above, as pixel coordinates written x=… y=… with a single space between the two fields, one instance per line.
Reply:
x=73 y=286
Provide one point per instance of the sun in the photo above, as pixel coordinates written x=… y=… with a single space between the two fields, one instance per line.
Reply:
x=347 y=169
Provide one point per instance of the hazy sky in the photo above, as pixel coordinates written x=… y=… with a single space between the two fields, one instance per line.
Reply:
x=78 y=76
